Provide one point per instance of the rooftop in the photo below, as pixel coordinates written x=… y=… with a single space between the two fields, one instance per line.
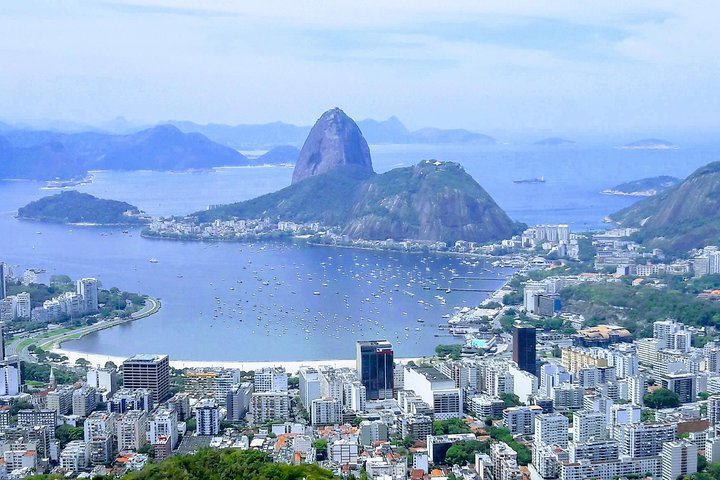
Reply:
x=432 y=374
x=146 y=357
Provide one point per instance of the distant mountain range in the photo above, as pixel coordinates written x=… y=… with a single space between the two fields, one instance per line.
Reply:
x=27 y=153
x=44 y=155
x=390 y=131
x=334 y=183
x=682 y=217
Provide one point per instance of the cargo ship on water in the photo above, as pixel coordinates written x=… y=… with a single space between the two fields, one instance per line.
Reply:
x=530 y=180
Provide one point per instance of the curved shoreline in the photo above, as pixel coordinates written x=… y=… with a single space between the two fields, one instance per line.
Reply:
x=56 y=342
x=47 y=341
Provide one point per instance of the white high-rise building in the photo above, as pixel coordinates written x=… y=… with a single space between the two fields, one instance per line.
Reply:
x=713 y=409
x=674 y=335
x=84 y=401
x=525 y=385
x=87 y=288
x=207 y=415
x=10 y=381
x=131 y=430
x=644 y=440
x=552 y=429
x=163 y=423
x=636 y=389
x=552 y=375
x=521 y=420
x=23 y=307
x=326 y=411
x=266 y=406
x=436 y=389
x=589 y=426
x=309 y=385
x=270 y=380
x=679 y=458
x=331 y=385
x=75 y=456
x=357 y=397
x=103 y=379
x=237 y=401
x=99 y=434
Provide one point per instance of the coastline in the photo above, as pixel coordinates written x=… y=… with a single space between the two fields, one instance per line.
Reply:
x=47 y=341
x=290 y=366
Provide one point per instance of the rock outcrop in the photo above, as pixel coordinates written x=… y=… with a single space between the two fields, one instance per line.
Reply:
x=334 y=184
x=334 y=143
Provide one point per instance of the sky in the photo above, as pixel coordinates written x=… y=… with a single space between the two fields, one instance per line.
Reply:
x=510 y=67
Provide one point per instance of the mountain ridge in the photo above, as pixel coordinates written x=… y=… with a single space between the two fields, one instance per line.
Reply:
x=680 y=218
x=45 y=155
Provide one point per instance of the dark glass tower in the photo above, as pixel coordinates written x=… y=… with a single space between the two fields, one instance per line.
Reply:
x=375 y=368
x=524 y=348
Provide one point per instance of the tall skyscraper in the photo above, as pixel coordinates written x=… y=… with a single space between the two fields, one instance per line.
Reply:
x=2 y=341
x=524 y=348
x=3 y=272
x=148 y=371
x=374 y=362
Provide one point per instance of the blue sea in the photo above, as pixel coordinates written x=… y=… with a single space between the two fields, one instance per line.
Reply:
x=285 y=301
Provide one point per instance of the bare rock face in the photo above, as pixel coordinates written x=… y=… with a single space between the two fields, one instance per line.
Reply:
x=335 y=142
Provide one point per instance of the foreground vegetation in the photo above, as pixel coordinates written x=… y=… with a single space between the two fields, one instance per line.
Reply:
x=228 y=464
x=637 y=307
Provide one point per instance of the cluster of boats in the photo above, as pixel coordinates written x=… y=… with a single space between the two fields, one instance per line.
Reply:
x=343 y=297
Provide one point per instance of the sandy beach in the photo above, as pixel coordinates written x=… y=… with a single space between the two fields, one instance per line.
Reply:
x=291 y=366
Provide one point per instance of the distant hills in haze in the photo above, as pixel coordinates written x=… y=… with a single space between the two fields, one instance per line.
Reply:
x=553 y=142
x=649 y=144
x=27 y=153
x=45 y=155
x=390 y=131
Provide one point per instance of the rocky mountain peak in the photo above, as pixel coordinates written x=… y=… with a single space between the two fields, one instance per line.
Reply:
x=334 y=142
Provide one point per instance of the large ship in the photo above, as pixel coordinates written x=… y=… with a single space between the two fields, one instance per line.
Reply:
x=530 y=180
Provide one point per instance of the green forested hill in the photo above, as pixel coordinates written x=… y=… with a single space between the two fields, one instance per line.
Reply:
x=76 y=207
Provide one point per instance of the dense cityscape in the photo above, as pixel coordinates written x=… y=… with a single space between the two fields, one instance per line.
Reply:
x=407 y=240
x=534 y=388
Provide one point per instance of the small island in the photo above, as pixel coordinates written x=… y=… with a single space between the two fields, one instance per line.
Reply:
x=75 y=208
x=553 y=142
x=649 y=144
x=645 y=187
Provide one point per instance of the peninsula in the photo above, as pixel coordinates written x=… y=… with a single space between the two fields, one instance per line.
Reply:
x=645 y=187
x=334 y=186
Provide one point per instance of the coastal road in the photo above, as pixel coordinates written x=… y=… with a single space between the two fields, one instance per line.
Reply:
x=47 y=340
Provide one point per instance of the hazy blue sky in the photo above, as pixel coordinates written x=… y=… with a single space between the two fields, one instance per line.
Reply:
x=495 y=66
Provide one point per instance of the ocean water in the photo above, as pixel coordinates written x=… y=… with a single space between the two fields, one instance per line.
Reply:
x=284 y=301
